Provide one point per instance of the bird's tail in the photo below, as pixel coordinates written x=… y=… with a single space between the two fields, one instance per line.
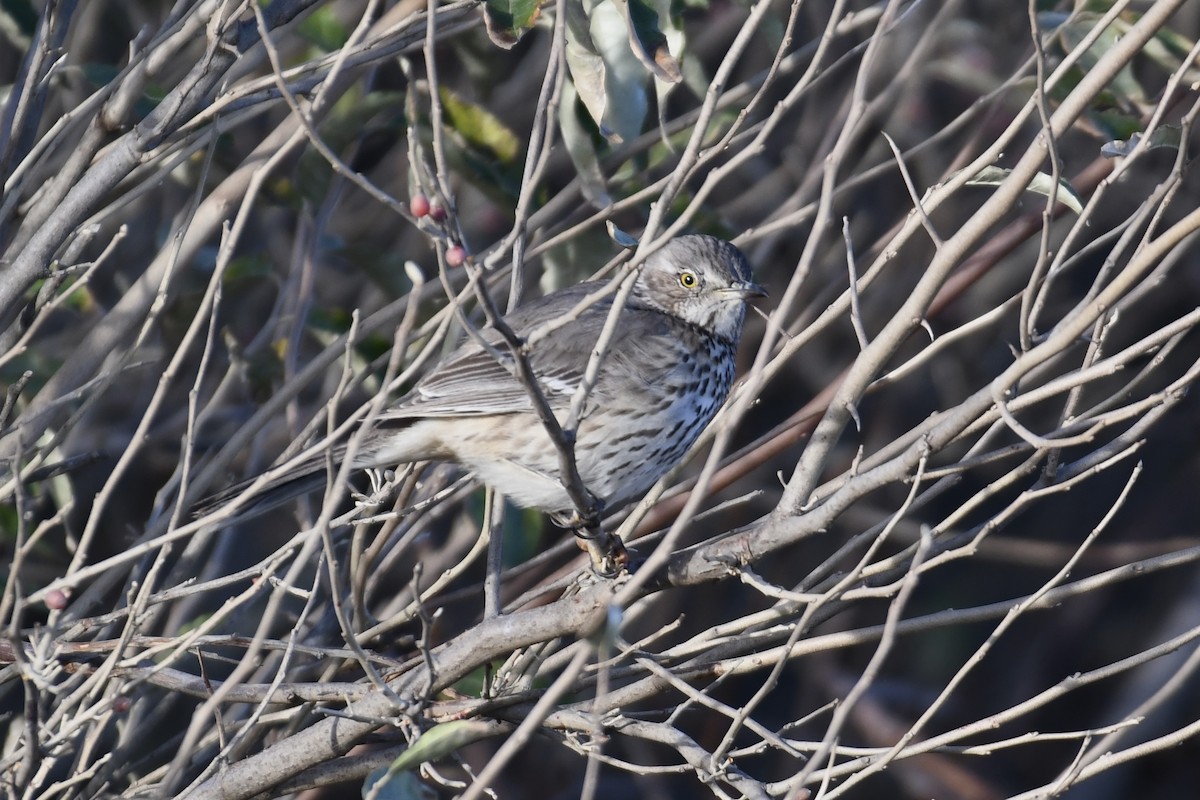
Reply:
x=283 y=482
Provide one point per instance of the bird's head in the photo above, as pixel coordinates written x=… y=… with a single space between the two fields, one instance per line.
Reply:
x=702 y=280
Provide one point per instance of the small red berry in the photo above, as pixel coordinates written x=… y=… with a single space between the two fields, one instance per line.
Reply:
x=121 y=704
x=437 y=213
x=418 y=204
x=455 y=256
x=56 y=599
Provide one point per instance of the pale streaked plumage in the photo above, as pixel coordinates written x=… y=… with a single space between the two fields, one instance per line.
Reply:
x=664 y=377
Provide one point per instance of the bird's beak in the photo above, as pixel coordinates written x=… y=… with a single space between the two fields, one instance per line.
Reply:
x=744 y=289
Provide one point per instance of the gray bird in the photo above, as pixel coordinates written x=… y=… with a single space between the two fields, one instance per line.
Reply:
x=665 y=375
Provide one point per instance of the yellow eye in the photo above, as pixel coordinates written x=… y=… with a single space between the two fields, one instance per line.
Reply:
x=688 y=280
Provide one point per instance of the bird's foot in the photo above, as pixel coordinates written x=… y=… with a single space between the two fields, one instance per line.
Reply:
x=606 y=550
x=608 y=553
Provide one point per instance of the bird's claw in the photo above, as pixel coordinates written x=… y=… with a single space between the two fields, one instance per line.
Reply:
x=366 y=502
x=608 y=553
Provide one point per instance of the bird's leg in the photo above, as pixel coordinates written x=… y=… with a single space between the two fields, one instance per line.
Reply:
x=607 y=551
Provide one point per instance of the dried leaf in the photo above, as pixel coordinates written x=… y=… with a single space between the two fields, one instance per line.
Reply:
x=647 y=41
x=1042 y=184
x=625 y=240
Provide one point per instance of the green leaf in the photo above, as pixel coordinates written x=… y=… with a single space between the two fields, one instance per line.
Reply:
x=252 y=265
x=481 y=149
x=585 y=65
x=1168 y=49
x=194 y=623
x=479 y=127
x=508 y=20
x=323 y=29
x=1124 y=84
x=1115 y=124
x=330 y=320
x=440 y=741
x=1041 y=184
x=8 y=531
x=1163 y=136
x=610 y=79
x=582 y=150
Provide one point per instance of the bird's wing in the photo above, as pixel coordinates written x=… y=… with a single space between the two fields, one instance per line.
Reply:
x=478 y=382
x=473 y=381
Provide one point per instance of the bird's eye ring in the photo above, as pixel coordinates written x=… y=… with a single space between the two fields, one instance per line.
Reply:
x=688 y=280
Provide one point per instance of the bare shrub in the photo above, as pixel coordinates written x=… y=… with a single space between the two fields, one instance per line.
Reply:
x=940 y=543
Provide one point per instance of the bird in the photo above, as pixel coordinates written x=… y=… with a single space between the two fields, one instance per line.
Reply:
x=666 y=373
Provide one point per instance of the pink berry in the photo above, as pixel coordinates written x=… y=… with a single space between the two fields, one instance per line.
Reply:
x=56 y=599
x=455 y=256
x=418 y=204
